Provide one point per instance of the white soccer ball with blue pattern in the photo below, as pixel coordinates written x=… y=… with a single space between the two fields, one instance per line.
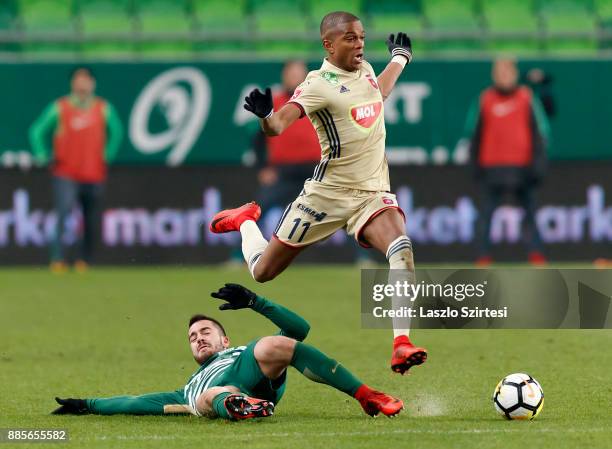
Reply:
x=518 y=396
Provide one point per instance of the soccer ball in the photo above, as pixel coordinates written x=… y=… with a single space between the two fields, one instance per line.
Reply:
x=518 y=396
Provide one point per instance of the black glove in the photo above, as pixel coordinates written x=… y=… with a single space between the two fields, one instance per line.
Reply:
x=400 y=45
x=259 y=103
x=237 y=297
x=71 y=407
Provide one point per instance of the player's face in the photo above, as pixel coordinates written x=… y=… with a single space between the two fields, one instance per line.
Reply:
x=82 y=83
x=505 y=75
x=346 y=48
x=205 y=340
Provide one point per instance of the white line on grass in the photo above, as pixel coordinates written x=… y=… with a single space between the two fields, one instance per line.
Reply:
x=233 y=436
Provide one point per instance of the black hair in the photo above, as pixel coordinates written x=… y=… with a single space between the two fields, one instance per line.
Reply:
x=83 y=68
x=199 y=317
x=333 y=19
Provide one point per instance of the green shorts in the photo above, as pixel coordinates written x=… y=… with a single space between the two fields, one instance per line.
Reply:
x=245 y=374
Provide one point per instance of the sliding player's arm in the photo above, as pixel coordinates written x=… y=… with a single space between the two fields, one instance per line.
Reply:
x=400 y=48
x=238 y=297
x=147 y=404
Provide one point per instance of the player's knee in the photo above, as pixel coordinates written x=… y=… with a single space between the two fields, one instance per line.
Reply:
x=275 y=349
x=264 y=273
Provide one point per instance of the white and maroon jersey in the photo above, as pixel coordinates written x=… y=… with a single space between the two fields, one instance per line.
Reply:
x=346 y=110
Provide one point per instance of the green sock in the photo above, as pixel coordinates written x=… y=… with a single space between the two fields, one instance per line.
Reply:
x=219 y=406
x=316 y=366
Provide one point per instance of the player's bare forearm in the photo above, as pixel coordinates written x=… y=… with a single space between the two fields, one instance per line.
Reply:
x=281 y=120
x=388 y=77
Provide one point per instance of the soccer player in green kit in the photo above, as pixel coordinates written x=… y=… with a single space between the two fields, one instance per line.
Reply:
x=241 y=382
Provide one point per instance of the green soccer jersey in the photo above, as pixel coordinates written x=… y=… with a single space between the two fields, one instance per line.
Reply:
x=209 y=372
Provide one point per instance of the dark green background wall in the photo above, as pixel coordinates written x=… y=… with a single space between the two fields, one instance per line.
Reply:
x=428 y=112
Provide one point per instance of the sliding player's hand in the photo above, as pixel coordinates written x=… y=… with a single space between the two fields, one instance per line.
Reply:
x=400 y=46
x=259 y=103
x=71 y=407
x=237 y=297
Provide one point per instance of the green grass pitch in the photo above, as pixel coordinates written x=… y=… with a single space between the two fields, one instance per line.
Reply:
x=123 y=331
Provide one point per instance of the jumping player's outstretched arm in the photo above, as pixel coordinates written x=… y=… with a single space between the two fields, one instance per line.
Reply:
x=400 y=48
x=272 y=123
x=238 y=297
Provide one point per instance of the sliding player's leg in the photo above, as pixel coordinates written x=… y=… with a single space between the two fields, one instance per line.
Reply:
x=229 y=402
x=382 y=226
x=274 y=354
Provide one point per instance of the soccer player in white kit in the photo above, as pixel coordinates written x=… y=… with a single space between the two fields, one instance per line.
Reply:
x=350 y=187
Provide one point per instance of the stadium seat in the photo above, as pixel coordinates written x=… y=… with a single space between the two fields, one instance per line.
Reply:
x=503 y=16
x=46 y=16
x=279 y=15
x=285 y=18
x=394 y=15
x=106 y=16
x=603 y=11
x=9 y=15
x=219 y=16
x=9 y=21
x=165 y=16
x=43 y=16
x=453 y=16
x=319 y=8
x=568 y=16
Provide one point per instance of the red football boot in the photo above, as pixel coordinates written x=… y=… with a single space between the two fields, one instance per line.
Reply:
x=483 y=261
x=230 y=219
x=374 y=402
x=537 y=259
x=406 y=355
x=240 y=406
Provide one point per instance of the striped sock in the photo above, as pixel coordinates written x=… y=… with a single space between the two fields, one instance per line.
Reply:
x=253 y=243
x=399 y=255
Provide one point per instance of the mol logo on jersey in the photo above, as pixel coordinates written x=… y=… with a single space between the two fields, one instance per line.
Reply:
x=365 y=115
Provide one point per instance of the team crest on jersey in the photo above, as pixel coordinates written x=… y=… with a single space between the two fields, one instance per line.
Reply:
x=330 y=77
x=367 y=114
x=296 y=94
x=372 y=81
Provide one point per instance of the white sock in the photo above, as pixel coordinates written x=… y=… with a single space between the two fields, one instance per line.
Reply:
x=253 y=243
x=401 y=264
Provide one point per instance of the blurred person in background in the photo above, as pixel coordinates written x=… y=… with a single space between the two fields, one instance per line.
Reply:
x=509 y=131
x=86 y=134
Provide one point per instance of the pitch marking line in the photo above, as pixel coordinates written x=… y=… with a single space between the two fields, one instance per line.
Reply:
x=348 y=434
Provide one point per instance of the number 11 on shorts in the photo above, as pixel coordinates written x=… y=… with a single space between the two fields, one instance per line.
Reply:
x=296 y=225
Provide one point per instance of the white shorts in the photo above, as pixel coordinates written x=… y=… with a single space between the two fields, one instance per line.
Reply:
x=321 y=209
